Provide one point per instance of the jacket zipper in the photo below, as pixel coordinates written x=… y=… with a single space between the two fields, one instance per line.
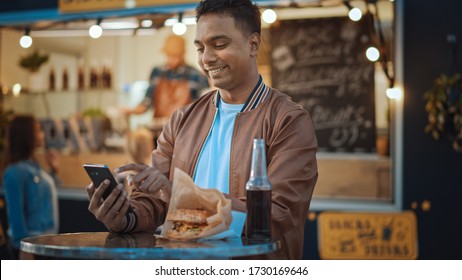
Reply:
x=203 y=143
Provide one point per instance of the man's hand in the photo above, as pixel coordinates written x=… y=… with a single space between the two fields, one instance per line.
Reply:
x=111 y=211
x=149 y=179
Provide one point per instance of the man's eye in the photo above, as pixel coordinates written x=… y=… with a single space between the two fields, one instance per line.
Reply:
x=220 y=46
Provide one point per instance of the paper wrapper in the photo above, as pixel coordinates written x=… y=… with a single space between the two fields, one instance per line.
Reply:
x=186 y=195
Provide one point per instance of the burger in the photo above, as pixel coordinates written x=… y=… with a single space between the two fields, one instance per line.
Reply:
x=187 y=223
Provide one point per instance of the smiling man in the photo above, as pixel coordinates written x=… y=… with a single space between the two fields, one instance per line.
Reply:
x=211 y=139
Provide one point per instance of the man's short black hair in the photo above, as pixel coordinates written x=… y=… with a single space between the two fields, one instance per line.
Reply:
x=245 y=13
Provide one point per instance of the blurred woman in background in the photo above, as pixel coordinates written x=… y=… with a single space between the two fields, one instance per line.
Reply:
x=30 y=191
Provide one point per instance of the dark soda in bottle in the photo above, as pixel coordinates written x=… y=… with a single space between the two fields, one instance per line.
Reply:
x=258 y=196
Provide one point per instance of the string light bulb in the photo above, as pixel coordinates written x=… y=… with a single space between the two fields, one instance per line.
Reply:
x=269 y=16
x=146 y=23
x=355 y=14
x=394 y=93
x=179 y=28
x=95 y=31
x=26 y=40
x=373 y=54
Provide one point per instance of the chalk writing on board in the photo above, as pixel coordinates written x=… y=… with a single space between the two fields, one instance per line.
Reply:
x=320 y=64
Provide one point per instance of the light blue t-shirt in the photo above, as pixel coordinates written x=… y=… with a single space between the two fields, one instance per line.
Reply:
x=212 y=170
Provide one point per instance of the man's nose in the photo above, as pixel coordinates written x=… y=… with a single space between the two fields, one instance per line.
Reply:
x=208 y=56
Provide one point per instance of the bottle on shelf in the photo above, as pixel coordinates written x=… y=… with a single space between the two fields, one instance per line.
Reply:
x=51 y=80
x=106 y=77
x=80 y=79
x=93 y=78
x=65 y=79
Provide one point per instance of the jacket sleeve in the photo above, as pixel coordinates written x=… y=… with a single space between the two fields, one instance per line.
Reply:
x=292 y=170
x=151 y=209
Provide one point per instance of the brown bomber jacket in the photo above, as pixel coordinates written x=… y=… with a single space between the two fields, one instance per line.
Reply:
x=291 y=147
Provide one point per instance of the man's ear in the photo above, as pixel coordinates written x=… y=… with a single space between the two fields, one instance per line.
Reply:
x=255 y=41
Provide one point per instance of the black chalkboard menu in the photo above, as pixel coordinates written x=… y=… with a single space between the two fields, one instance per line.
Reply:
x=321 y=64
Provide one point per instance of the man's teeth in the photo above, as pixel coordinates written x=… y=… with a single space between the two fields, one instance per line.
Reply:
x=215 y=71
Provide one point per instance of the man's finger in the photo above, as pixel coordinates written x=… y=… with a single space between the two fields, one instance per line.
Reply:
x=131 y=167
x=90 y=191
x=117 y=205
x=111 y=199
x=99 y=191
x=95 y=199
x=153 y=188
x=139 y=178
x=151 y=184
x=123 y=210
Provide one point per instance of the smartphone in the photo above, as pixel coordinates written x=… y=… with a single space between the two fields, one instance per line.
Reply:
x=98 y=173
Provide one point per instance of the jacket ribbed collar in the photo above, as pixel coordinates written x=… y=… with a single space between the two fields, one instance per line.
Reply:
x=259 y=93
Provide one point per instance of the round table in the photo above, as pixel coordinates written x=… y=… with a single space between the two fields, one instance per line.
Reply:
x=143 y=245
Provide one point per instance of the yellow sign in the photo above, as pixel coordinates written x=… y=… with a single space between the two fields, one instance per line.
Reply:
x=74 y=6
x=164 y=2
x=367 y=236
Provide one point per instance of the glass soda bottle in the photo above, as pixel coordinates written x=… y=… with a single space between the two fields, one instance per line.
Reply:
x=258 y=196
